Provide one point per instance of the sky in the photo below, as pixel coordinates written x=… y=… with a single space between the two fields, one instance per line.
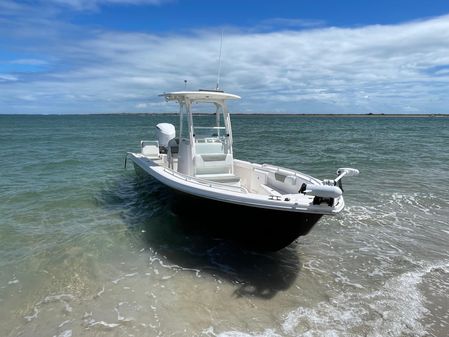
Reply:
x=304 y=56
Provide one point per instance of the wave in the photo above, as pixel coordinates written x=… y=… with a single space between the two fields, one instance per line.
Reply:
x=395 y=309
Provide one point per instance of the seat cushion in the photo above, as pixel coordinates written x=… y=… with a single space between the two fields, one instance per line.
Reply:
x=213 y=164
x=225 y=178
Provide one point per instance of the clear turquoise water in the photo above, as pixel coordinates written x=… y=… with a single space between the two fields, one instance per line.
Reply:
x=87 y=249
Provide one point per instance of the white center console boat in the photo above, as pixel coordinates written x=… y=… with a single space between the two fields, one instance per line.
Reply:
x=264 y=206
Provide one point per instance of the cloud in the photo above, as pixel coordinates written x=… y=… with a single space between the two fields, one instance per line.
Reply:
x=380 y=68
x=37 y=10
x=95 y=4
x=141 y=105
x=288 y=23
x=6 y=78
x=30 y=62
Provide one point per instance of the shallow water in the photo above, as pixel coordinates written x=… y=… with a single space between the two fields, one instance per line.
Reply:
x=88 y=249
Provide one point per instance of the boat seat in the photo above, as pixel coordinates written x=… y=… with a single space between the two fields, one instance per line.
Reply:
x=224 y=178
x=215 y=166
x=213 y=163
x=173 y=145
x=150 y=149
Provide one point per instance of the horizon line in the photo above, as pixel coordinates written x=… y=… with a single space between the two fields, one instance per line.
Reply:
x=241 y=114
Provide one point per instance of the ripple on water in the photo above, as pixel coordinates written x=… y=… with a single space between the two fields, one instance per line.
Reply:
x=89 y=250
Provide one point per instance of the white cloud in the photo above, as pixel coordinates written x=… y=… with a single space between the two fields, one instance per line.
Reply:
x=94 y=4
x=290 y=23
x=334 y=70
x=7 y=78
x=31 y=62
x=141 y=105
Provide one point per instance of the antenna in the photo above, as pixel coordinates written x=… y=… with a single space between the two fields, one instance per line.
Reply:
x=185 y=84
x=219 y=62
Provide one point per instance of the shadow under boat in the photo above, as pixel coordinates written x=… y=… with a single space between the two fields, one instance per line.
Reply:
x=152 y=214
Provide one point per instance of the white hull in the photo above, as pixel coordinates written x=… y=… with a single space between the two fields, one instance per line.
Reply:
x=272 y=198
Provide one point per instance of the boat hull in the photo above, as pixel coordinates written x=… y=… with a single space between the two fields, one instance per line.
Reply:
x=255 y=228
x=252 y=227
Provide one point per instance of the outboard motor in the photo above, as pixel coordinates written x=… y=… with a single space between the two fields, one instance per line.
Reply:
x=165 y=132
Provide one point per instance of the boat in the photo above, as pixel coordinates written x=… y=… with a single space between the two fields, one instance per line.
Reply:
x=263 y=206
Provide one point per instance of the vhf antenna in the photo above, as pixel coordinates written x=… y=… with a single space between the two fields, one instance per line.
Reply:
x=219 y=62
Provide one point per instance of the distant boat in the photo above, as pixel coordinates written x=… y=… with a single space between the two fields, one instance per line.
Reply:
x=262 y=205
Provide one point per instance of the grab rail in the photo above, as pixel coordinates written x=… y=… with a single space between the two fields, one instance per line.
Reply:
x=231 y=188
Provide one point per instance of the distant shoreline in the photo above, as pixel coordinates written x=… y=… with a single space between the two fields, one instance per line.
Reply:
x=347 y=115
x=370 y=115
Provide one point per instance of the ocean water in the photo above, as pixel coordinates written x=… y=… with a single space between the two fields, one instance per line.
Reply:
x=88 y=249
